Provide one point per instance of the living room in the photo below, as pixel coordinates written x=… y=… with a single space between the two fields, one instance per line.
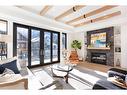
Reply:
x=74 y=47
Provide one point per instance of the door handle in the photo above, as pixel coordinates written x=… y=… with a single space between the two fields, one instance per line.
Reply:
x=41 y=52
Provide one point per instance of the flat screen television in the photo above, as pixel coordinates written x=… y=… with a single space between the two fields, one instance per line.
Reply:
x=98 y=40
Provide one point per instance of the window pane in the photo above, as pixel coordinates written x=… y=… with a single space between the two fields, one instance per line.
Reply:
x=22 y=44
x=47 y=47
x=35 y=47
x=3 y=50
x=3 y=27
x=63 y=41
x=55 y=47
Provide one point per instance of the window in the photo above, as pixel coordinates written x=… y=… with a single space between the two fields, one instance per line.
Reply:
x=47 y=47
x=64 y=41
x=55 y=45
x=22 y=43
x=36 y=46
x=3 y=27
x=3 y=50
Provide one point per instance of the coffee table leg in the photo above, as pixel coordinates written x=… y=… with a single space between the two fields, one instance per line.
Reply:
x=66 y=78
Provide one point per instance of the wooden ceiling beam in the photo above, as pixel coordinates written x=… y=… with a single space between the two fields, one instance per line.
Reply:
x=45 y=9
x=104 y=8
x=70 y=11
x=99 y=18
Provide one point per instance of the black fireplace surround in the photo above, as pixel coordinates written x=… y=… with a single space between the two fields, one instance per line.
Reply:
x=99 y=58
x=94 y=55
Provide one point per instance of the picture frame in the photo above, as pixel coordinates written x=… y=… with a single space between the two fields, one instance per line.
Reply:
x=3 y=27
x=117 y=49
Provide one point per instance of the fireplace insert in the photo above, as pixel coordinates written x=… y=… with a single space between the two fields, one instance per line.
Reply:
x=99 y=58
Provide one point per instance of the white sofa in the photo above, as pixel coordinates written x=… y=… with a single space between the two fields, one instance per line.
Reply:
x=11 y=80
x=26 y=80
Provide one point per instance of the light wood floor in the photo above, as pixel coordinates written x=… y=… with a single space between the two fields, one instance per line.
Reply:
x=93 y=66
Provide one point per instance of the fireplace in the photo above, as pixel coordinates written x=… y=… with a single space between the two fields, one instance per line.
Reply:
x=99 y=58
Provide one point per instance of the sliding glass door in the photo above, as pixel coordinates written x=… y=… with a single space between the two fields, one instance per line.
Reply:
x=22 y=44
x=51 y=47
x=36 y=46
x=55 y=46
x=47 y=47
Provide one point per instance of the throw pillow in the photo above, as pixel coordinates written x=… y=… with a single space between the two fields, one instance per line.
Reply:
x=12 y=66
x=11 y=59
x=1 y=69
x=6 y=71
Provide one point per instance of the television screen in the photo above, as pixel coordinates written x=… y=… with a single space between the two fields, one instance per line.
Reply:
x=98 y=40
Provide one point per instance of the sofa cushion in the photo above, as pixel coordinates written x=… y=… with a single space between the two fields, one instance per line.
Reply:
x=12 y=66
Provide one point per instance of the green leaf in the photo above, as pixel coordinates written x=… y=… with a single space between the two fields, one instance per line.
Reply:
x=76 y=44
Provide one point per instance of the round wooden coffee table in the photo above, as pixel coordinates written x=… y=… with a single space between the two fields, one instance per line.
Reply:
x=61 y=71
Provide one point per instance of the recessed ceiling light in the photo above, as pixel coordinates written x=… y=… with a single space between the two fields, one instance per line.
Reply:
x=91 y=21
x=74 y=9
x=84 y=16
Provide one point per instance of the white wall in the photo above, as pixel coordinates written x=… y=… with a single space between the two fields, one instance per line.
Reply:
x=80 y=36
x=117 y=43
x=70 y=38
x=124 y=45
x=9 y=39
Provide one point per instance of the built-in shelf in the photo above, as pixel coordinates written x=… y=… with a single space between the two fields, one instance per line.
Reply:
x=106 y=48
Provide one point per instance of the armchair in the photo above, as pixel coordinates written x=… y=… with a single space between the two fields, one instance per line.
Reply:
x=74 y=58
x=10 y=75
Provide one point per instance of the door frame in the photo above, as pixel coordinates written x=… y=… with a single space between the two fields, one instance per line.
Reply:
x=15 y=25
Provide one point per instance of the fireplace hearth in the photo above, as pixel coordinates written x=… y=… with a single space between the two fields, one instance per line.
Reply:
x=99 y=58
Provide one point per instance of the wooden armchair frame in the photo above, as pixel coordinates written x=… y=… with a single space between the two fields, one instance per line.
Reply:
x=24 y=80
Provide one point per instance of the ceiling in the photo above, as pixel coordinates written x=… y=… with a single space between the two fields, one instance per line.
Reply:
x=76 y=16
x=66 y=18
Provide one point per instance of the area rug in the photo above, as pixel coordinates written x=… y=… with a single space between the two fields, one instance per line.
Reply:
x=79 y=78
x=45 y=80
x=88 y=75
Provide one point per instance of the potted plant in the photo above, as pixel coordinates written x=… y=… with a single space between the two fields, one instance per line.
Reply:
x=76 y=45
x=73 y=55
